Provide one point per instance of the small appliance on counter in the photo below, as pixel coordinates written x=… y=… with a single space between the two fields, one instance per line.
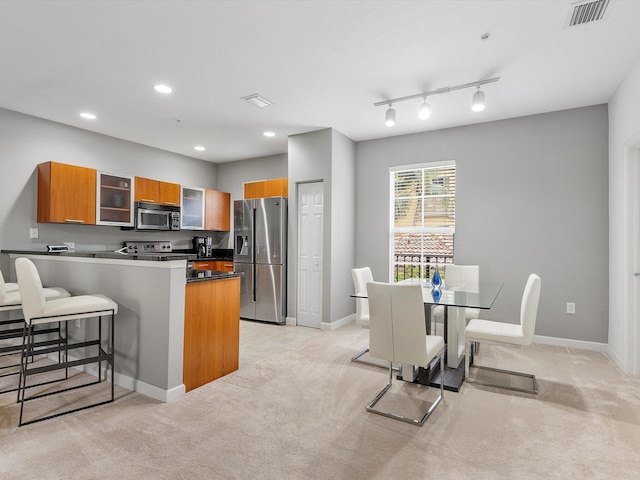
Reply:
x=203 y=246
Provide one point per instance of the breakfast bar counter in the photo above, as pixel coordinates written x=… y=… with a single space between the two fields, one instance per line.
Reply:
x=156 y=298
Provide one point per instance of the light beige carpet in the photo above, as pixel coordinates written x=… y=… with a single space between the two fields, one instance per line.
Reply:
x=298 y=412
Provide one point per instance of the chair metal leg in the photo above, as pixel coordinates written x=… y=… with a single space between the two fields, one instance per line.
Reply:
x=356 y=359
x=413 y=421
x=467 y=368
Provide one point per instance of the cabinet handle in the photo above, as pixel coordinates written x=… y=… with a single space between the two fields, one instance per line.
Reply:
x=228 y=264
x=170 y=203
x=147 y=200
x=70 y=220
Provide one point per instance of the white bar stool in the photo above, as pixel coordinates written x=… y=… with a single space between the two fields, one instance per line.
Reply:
x=10 y=300
x=38 y=311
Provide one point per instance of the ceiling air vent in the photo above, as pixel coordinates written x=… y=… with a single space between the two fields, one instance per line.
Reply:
x=588 y=11
x=257 y=100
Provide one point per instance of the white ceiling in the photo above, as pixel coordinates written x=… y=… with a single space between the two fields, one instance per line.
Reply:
x=322 y=63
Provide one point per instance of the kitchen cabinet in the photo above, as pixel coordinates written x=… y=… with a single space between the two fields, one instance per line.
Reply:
x=211 y=331
x=66 y=194
x=114 y=200
x=203 y=265
x=255 y=189
x=192 y=211
x=223 y=266
x=169 y=194
x=154 y=191
x=217 y=265
x=217 y=211
x=278 y=187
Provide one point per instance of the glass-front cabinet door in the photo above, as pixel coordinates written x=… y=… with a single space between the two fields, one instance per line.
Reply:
x=192 y=209
x=114 y=200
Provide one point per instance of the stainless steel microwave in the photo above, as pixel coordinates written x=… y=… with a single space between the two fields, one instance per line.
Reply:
x=150 y=216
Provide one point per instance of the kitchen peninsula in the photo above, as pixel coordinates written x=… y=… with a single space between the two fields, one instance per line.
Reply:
x=174 y=330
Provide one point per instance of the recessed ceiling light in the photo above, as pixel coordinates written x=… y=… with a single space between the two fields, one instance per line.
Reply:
x=88 y=116
x=163 y=88
x=199 y=148
x=269 y=134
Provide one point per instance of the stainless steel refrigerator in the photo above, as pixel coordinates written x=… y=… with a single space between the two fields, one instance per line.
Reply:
x=260 y=252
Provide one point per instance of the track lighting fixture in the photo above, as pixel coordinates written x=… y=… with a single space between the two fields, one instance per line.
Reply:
x=477 y=104
x=425 y=110
x=390 y=117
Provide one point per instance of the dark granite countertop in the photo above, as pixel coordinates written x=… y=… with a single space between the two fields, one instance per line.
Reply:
x=154 y=257
x=225 y=254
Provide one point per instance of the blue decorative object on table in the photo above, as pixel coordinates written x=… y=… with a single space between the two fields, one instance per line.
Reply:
x=435 y=294
x=436 y=281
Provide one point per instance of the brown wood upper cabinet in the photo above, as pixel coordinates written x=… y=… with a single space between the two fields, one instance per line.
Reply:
x=217 y=211
x=155 y=191
x=278 y=187
x=66 y=194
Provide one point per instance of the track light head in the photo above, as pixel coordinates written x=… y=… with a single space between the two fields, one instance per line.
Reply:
x=477 y=103
x=425 y=110
x=390 y=117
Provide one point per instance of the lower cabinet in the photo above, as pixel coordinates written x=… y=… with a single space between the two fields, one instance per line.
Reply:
x=211 y=331
x=217 y=265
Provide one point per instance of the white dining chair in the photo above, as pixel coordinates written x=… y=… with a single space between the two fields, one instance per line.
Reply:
x=398 y=334
x=362 y=276
x=458 y=275
x=506 y=333
x=457 y=317
x=37 y=311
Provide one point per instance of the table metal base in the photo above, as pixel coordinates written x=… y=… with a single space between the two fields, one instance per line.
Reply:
x=453 y=377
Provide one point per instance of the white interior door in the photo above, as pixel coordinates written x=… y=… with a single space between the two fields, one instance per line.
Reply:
x=309 y=288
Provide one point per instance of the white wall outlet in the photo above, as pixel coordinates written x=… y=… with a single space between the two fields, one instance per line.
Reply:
x=33 y=233
x=571 y=308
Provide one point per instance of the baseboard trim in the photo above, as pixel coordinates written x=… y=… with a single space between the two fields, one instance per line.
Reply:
x=291 y=321
x=338 y=323
x=570 y=343
x=125 y=381
x=615 y=358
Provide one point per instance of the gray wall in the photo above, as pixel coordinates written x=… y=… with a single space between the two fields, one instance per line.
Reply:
x=532 y=196
x=342 y=224
x=27 y=141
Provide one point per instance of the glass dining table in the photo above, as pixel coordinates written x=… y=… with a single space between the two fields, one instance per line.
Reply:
x=455 y=298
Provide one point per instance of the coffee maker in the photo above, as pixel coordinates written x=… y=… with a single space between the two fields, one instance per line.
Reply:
x=203 y=246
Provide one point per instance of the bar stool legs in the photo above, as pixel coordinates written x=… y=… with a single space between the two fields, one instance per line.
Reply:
x=27 y=370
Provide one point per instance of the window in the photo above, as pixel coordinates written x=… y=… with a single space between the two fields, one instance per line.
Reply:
x=423 y=218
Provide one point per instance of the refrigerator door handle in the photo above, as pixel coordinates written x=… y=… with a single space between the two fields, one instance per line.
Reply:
x=255 y=296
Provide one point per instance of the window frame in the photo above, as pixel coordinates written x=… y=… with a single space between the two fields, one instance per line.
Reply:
x=393 y=230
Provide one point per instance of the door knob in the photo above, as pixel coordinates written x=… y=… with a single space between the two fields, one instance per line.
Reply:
x=636 y=274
